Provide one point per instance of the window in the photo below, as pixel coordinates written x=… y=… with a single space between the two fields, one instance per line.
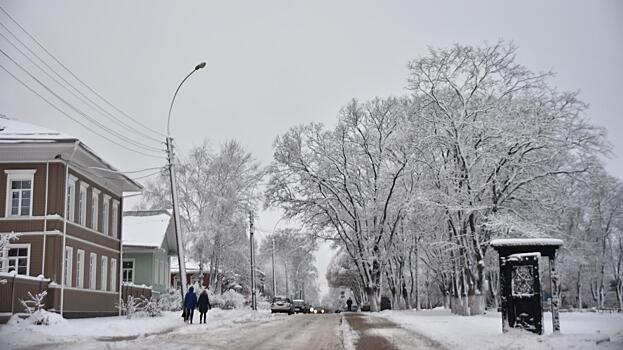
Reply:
x=156 y=271
x=71 y=198
x=80 y=268
x=19 y=192
x=113 y=274
x=104 y=275
x=82 y=204
x=95 y=196
x=161 y=272
x=128 y=270
x=69 y=255
x=18 y=258
x=115 y=224
x=93 y=271
x=105 y=214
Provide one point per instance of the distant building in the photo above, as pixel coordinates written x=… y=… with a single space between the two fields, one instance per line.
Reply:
x=194 y=273
x=148 y=244
x=66 y=204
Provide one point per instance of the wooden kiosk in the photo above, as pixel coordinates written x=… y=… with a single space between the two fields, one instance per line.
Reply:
x=520 y=284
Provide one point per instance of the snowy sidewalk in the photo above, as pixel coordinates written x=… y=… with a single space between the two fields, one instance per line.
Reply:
x=578 y=330
x=85 y=333
x=366 y=331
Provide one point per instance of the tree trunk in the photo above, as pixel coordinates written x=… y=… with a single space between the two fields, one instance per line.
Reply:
x=579 y=289
x=371 y=293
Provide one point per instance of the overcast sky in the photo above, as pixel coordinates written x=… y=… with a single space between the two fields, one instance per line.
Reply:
x=275 y=64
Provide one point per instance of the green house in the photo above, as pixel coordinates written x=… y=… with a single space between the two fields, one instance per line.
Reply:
x=148 y=243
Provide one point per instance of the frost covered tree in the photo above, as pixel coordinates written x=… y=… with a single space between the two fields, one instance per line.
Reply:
x=343 y=183
x=296 y=273
x=495 y=130
x=216 y=192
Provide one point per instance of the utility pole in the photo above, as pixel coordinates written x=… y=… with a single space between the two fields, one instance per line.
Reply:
x=251 y=244
x=176 y=216
x=274 y=281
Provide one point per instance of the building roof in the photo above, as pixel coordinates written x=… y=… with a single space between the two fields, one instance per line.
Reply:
x=15 y=131
x=148 y=228
x=17 y=139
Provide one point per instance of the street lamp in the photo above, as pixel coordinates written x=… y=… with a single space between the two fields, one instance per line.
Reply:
x=176 y=216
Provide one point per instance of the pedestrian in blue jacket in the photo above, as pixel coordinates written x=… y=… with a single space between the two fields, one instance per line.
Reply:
x=190 y=302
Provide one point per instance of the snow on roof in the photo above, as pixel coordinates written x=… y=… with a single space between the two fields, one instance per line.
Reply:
x=191 y=266
x=12 y=130
x=514 y=242
x=145 y=230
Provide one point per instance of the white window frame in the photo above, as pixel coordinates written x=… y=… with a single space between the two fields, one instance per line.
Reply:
x=105 y=214
x=95 y=196
x=133 y=269
x=93 y=271
x=114 y=218
x=71 y=198
x=79 y=268
x=19 y=175
x=68 y=265
x=82 y=204
x=4 y=263
x=104 y=273
x=113 y=274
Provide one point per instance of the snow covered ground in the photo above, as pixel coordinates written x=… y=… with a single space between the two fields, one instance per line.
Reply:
x=84 y=333
x=578 y=330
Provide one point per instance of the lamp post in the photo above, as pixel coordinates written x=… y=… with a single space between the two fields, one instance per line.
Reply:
x=176 y=216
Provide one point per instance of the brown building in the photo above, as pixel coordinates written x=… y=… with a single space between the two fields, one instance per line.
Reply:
x=65 y=202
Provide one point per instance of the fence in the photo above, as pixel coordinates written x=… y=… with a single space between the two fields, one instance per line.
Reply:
x=15 y=287
x=128 y=289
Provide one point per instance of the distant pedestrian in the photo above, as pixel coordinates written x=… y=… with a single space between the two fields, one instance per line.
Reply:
x=190 y=303
x=349 y=303
x=204 y=306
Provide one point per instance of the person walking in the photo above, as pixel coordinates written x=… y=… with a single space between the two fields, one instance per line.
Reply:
x=349 y=303
x=190 y=302
x=204 y=306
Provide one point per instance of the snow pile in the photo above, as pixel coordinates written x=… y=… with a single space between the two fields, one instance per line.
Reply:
x=349 y=336
x=14 y=335
x=578 y=330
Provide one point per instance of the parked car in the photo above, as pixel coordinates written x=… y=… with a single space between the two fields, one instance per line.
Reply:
x=300 y=306
x=282 y=304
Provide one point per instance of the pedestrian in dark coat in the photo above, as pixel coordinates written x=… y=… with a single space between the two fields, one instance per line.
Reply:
x=349 y=303
x=204 y=306
x=190 y=303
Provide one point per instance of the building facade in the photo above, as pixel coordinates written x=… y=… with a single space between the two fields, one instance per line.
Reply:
x=148 y=244
x=65 y=203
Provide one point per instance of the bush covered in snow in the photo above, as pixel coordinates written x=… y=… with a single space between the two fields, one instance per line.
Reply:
x=140 y=307
x=37 y=314
x=171 y=301
x=228 y=300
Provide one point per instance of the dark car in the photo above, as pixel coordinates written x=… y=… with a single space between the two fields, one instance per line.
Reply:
x=300 y=306
x=282 y=304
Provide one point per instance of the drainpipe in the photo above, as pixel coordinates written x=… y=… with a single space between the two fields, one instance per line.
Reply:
x=45 y=216
x=66 y=212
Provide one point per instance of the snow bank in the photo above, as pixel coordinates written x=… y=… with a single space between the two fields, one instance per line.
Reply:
x=578 y=330
x=91 y=331
x=349 y=336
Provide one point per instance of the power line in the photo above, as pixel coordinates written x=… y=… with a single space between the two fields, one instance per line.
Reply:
x=120 y=174
x=74 y=119
x=83 y=98
x=159 y=134
x=112 y=132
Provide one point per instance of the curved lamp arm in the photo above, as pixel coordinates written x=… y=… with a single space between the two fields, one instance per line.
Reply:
x=197 y=67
